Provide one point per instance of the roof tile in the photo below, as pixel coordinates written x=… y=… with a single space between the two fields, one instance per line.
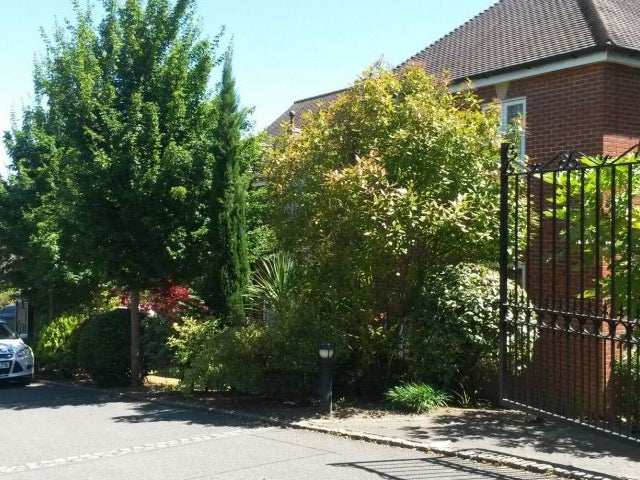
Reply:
x=621 y=18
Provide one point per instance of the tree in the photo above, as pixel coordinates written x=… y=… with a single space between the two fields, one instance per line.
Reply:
x=228 y=275
x=394 y=179
x=31 y=257
x=127 y=108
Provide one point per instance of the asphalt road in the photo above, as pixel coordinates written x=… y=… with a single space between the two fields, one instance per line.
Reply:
x=63 y=432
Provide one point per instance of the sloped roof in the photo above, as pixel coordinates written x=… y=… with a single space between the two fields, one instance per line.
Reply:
x=516 y=34
x=621 y=20
x=299 y=107
x=513 y=34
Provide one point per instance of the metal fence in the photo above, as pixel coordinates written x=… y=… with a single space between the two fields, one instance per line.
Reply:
x=570 y=289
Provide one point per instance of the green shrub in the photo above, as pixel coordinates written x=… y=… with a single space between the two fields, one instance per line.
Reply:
x=278 y=359
x=187 y=342
x=57 y=344
x=454 y=338
x=230 y=359
x=416 y=397
x=104 y=348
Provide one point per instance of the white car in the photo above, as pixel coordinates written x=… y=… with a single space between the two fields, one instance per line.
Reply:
x=16 y=357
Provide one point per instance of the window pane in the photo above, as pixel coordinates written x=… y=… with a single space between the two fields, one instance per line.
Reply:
x=514 y=111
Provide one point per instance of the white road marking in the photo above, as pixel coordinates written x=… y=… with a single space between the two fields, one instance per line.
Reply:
x=147 y=447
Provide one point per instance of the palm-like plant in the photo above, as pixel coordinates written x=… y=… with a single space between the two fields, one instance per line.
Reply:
x=272 y=285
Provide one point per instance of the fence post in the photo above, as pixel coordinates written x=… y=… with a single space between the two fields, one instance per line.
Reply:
x=504 y=259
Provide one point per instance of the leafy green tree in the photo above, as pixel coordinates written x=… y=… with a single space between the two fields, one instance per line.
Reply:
x=31 y=257
x=395 y=178
x=127 y=110
x=229 y=272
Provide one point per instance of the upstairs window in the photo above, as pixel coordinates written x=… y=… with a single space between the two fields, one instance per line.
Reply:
x=512 y=123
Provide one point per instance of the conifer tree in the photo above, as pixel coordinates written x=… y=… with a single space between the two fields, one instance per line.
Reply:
x=228 y=275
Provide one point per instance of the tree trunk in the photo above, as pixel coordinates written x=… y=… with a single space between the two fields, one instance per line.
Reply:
x=50 y=313
x=136 y=367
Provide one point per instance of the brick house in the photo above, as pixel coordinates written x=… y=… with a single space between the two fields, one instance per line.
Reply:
x=571 y=68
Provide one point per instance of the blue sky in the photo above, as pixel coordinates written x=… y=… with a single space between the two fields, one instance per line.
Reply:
x=283 y=49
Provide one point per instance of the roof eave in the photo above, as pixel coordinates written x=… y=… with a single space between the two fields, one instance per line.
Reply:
x=533 y=64
x=595 y=54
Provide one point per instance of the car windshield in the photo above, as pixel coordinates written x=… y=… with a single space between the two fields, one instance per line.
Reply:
x=6 y=333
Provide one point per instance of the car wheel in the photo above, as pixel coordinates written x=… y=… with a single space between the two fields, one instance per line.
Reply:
x=28 y=380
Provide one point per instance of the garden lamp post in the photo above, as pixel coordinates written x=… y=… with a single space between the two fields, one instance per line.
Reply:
x=325 y=352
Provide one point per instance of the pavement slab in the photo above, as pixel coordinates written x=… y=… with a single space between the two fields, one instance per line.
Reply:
x=505 y=436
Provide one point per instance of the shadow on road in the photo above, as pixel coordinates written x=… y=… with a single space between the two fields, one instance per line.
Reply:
x=442 y=468
x=42 y=395
x=55 y=396
x=510 y=429
x=147 y=412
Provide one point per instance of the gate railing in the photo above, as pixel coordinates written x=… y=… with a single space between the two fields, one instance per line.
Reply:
x=570 y=289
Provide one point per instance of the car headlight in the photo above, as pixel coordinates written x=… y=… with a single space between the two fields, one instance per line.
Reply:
x=24 y=353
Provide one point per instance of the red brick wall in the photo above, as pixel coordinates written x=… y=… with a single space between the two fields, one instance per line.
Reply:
x=596 y=110
x=622 y=111
x=565 y=111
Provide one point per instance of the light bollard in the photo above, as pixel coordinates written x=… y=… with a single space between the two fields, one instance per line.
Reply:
x=325 y=353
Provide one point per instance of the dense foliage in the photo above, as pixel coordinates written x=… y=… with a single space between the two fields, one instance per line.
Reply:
x=453 y=336
x=278 y=359
x=127 y=166
x=392 y=181
x=57 y=345
x=104 y=348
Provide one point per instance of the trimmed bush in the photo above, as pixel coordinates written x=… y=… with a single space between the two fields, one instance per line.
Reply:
x=104 y=348
x=416 y=397
x=57 y=344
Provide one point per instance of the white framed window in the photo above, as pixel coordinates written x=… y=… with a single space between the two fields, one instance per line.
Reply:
x=520 y=274
x=513 y=114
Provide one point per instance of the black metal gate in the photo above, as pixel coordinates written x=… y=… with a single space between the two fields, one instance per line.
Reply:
x=570 y=289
